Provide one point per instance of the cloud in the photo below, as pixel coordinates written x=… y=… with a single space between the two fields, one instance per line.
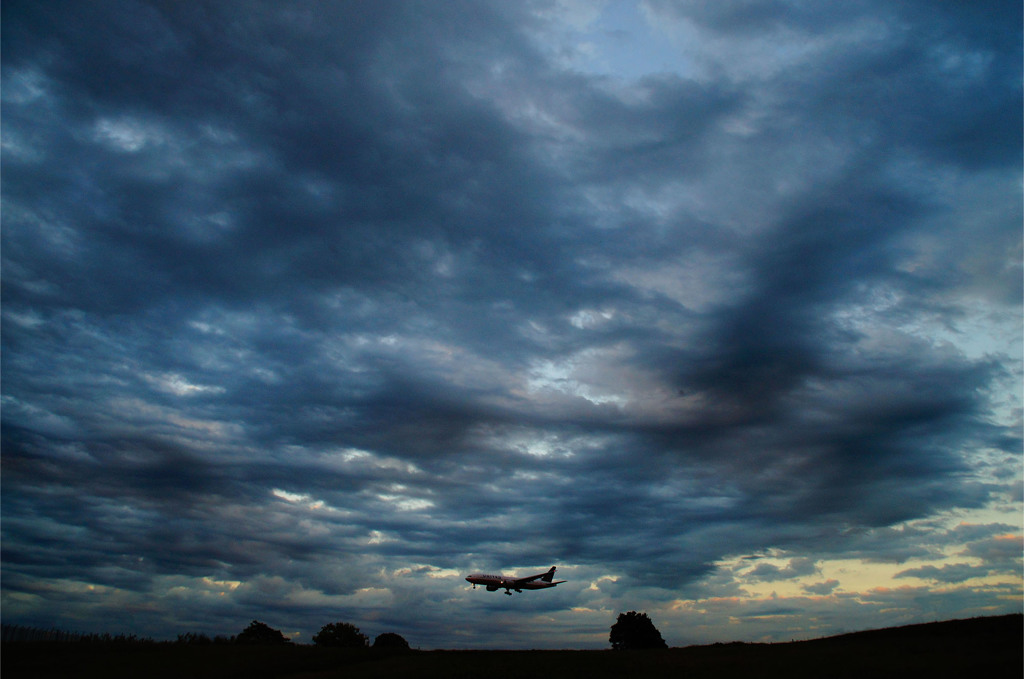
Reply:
x=947 y=573
x=822 y=588
x=766 y=572
x=308 y=311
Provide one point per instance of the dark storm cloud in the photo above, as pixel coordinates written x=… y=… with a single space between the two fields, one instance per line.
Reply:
x=297 y=296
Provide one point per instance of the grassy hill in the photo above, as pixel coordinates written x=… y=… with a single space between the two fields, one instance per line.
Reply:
x=982 y=647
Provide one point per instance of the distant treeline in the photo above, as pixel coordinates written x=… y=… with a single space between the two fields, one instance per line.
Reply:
x=341 y=634
x=23 y=633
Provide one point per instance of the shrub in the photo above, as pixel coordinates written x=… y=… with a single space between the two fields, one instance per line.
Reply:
x=194 y=639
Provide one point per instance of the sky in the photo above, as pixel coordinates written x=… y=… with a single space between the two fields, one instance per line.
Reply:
x=310 y=309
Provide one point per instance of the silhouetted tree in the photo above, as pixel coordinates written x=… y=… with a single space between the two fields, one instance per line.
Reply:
x=390 y=640
x=194 y=639
x=635 y=630
x=340 y=634
x=259 y=634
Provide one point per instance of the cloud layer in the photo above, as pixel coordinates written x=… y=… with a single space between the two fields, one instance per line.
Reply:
x=310 y=309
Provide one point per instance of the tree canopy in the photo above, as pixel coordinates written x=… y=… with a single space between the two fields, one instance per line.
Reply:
x=340 y=634
x=260 y=634
x=635 y=630
x=390 y=640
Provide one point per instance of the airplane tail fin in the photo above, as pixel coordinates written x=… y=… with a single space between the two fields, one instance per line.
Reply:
x=547 y=577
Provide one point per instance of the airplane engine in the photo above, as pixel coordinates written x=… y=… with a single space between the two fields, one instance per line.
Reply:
x=492 y=588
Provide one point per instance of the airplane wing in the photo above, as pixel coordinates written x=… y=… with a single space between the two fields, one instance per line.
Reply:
x=531 y=578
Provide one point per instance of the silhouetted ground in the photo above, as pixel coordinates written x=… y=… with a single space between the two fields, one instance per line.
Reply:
x=980 y=647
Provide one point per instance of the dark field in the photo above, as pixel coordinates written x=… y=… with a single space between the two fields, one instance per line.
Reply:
x=981 y=647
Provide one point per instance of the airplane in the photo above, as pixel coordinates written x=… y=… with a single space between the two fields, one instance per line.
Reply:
x=496 y=582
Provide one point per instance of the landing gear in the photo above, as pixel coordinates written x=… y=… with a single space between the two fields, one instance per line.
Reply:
x=508 y=592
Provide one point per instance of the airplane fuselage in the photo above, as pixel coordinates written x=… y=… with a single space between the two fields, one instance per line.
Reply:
x=493 y=582
x=509 y=583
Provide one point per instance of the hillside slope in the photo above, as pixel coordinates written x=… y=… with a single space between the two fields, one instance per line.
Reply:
x=981 y=647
